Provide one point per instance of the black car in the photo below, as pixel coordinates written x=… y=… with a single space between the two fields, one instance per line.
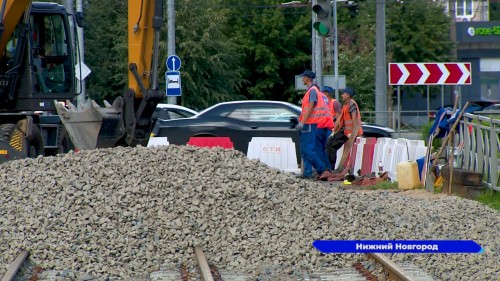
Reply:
x=242 y=120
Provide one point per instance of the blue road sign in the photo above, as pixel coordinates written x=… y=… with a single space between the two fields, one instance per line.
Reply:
x=173 y=82
x=173 y=63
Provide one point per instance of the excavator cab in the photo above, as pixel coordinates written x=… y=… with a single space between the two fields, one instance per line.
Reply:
x=36 y=68
x=38 y=64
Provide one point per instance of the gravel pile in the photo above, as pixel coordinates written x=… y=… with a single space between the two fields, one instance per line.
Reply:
x=126 y=212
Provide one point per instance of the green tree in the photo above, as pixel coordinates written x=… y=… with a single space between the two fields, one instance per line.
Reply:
x=418 y=31
x=212 y=71
x=276 y=44
x=106 y=48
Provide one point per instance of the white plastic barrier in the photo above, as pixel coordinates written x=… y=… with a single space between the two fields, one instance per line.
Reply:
x=275 y=152
x=390 y=152
x=414 y=149
x=157 y=141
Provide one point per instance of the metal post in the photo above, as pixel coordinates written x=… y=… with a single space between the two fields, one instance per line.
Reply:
x=442 y=96
x=428 y=105
x=493 y=155
x=82 y=97
x=313 y=39
x=381 y=66
x=171 y=37
x=335 y=50
x=399 y=111
x=318 y=53
x=459 y=96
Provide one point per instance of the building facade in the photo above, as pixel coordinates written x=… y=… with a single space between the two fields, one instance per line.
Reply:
x=478 y=41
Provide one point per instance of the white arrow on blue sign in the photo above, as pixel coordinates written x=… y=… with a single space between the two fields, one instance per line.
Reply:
x=173 y=63
x=173 y=81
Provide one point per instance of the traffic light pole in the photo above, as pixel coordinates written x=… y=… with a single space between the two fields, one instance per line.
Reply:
x=317 y=48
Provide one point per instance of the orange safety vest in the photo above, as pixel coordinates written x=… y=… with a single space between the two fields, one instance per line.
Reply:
x=332 y=108
x=347 y=120
x=320 y=111
x=327 y=120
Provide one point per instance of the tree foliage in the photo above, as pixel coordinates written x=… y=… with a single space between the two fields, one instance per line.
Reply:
x=275 y=42
x=212 y=70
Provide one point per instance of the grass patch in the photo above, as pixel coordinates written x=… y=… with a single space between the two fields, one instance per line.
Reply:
x=425 y=131
x=385 y=185
x=491 y=199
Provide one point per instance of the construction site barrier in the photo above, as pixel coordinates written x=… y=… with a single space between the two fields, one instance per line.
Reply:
x=275 y=152
x=224 y=142
x=367 y=156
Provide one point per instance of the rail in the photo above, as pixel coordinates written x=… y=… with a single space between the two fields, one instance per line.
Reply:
x=410 y=120
x=481 y=145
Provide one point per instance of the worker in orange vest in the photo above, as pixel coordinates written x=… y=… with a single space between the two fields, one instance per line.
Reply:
x=314 y=110
x=335 y=108
x=350 y=121
x=325 y=127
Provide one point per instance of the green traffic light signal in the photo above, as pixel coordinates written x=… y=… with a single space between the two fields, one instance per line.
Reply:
x=321 y=28
x=323 y=25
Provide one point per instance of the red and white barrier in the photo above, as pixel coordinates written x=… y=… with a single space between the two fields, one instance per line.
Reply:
x=365 y=155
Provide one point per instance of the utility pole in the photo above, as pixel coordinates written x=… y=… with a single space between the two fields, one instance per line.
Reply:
x=453 y=36
x=171 y=37
x=380 y=67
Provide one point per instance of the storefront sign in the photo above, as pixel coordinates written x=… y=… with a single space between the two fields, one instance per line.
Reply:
x=488 y=32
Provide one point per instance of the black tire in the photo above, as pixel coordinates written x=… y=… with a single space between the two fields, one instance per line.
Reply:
x=6 y=131
x=35 y=142
x=64 y=142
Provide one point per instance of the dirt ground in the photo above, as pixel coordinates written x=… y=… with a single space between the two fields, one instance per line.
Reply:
x=414 y=193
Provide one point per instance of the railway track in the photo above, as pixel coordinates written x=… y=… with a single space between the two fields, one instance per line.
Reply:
x=383 y=269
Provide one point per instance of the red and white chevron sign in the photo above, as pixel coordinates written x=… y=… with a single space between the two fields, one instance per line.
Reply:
x=429 y=73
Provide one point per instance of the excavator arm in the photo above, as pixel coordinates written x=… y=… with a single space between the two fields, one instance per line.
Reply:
x=11 y=12
x=128 y=121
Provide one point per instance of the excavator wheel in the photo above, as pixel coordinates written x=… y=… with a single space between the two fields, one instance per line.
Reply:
x=35 y=142
x=64 y=142
x=6 y=131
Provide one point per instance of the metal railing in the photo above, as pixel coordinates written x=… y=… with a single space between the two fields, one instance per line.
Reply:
x=481 y=146
x=410 y=120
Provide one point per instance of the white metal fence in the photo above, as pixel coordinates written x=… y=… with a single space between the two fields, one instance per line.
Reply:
x=410 y=120
x=481 y=146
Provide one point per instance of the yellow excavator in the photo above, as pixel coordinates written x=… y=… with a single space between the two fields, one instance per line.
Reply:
x=37 y=82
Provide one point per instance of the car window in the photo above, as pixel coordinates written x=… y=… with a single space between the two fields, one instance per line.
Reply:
x=162 y=114
x=176 y=114
x=260 y=113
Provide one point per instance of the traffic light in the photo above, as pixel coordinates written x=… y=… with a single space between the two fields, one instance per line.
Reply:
x=323 y=24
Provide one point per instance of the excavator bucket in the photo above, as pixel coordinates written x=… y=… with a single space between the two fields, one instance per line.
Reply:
x=93 y=126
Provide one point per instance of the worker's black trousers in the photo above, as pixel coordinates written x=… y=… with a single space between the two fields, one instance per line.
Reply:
x=333 y=144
